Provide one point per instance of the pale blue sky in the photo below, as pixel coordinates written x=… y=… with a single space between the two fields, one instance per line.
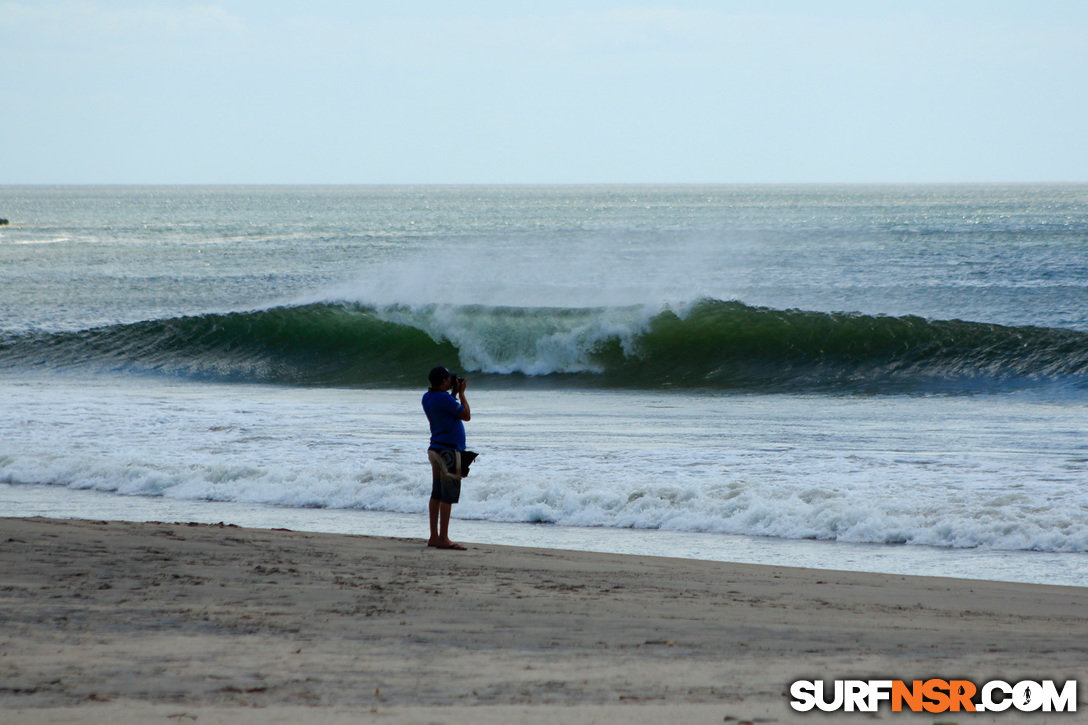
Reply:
x=316 y=91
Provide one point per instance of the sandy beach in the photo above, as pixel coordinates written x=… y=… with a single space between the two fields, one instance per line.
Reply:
x=174 y=622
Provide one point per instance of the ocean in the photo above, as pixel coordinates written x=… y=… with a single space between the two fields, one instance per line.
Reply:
x=877 y=378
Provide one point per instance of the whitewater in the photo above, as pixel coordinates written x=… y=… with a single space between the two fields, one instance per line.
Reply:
x=883 y=378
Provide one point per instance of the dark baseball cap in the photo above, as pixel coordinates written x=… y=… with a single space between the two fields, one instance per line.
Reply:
x=440 y=373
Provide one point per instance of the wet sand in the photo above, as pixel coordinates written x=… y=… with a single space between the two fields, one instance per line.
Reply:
x=172 y=622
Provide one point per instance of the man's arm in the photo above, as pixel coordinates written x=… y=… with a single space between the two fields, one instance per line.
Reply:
x=466 y=412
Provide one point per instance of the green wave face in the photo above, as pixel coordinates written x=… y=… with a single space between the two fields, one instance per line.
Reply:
x=314 y=344
x=711 y=345
x=731 y=345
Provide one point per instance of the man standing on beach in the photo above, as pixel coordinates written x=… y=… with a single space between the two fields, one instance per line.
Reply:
x=447 y=417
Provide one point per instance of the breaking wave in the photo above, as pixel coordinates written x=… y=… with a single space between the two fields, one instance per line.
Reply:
x=710 y=344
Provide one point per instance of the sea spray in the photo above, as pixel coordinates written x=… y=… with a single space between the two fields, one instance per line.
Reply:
x=529 y=341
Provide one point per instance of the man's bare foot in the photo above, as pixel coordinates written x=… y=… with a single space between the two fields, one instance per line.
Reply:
x=444 y=544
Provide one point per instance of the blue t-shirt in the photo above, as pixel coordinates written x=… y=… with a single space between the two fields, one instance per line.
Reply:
x=444 y=414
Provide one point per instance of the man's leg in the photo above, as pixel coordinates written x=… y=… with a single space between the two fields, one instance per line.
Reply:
x=434 y=508
x=439 y=512
x=440 y=538
x=444 y=511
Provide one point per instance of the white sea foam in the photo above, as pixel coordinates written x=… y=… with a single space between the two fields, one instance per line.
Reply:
x=582 y=459
x=533 y=342
x=50 y=240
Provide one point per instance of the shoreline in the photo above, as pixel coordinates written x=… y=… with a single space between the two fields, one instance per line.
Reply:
x=138 y=622
x=1030 y=567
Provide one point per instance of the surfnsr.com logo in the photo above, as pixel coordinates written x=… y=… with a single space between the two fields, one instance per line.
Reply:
x=934 y=695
